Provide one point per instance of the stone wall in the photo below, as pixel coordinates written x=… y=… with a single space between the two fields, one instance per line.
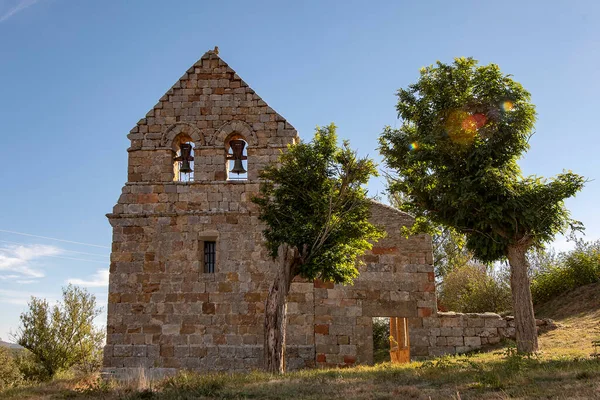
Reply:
x=454 y=333
x=396 y=280
x=165 y=313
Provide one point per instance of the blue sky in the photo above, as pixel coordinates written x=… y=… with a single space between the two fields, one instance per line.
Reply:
x=75 y=76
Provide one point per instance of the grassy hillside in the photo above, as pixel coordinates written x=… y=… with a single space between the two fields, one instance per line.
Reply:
x=578 y=315
x=563 y=369
x=10 y=345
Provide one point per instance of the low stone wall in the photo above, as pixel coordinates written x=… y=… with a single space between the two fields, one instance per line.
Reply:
x=453 y=333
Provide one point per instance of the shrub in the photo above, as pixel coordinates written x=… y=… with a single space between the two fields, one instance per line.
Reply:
x=576 y=268
x=30 y=368
x=64 y=335
x=471 y=288
x=10 y=376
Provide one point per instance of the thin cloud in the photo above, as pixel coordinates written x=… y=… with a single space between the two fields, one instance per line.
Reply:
x=99 y=279
x=19 y=6
x=21 y=298
x=16 y=260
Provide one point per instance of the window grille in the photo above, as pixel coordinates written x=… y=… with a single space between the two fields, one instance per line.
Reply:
x=209 y=257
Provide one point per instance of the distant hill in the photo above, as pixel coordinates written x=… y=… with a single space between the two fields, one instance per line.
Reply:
x=10 y=345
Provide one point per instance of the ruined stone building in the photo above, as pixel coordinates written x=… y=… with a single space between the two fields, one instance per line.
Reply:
x=189 y=274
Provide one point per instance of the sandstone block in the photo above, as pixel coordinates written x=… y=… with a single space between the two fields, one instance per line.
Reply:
x=473 y=341
x=122 y=350
x=495 y=323
x=455 y=341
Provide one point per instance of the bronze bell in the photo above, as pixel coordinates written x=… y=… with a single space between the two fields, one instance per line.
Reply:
x=185 y=158
x=237 y=148
x=238 y=168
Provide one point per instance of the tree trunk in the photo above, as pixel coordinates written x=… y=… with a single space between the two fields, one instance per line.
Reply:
x=275 y=311
x=527 y=341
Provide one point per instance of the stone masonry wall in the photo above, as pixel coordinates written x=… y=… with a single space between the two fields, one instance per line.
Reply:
x=454 y=333
x=165 y=313
x=396 y=280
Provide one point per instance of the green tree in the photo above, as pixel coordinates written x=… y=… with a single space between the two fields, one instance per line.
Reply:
x=464 y=127
x=316 y=212
x=449 y=247
x=64 y=335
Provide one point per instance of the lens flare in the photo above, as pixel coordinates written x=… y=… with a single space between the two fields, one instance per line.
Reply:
x=469 y=124
x=413 y=146
x=480 y=120
x=507 y=105
x=462 y=126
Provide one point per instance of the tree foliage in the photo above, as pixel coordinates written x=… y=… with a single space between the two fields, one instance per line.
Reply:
x=449 y=247
x=30 y=367
x=464 y=126
x=63 y=335
x=316 y=211
x=314 y=200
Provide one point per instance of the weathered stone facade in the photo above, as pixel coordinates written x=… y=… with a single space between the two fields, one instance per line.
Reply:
x=166 y=313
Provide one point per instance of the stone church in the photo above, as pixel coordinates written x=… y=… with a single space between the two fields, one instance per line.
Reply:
x=189 y=274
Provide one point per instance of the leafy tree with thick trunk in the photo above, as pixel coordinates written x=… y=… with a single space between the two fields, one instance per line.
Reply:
x=316 y=212
x=464 y=126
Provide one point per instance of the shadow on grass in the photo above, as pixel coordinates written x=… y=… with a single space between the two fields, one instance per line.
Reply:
x=439 y=378
x=463 y=377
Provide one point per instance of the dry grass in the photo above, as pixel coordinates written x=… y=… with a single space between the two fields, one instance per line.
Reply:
x=578 y=315
x=486 y=376
x=563 y=370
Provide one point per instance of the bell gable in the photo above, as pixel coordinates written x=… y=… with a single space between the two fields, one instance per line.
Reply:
x=209 y=106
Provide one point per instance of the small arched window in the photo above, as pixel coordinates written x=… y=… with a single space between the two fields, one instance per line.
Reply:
x=237 y=158
x=183 y=162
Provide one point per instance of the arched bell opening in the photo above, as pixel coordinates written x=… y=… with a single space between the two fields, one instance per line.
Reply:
x=236 y=158
x=183 y=159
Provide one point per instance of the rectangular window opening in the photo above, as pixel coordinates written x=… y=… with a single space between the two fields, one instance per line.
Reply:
x=391 y=342
x=209 y=257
